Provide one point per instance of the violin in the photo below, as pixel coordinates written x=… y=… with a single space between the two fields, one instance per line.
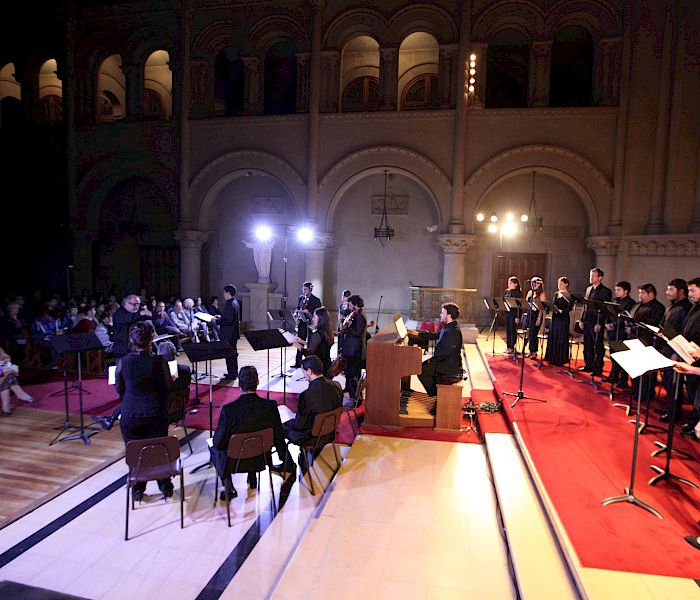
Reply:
x=347 y=323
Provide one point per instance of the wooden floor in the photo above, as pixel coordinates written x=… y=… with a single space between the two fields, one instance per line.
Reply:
x=32 y=472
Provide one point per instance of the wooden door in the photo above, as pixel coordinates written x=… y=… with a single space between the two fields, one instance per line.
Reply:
x=523 y=265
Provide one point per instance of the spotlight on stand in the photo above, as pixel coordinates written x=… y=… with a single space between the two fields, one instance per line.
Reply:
x=263 y=233
x=305 y=234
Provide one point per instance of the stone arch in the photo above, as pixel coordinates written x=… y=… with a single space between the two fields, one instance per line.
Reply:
x=596 y=16
x=581 y=175
x=208 y=183
x=215 y=38
x=268 y=31
x=352 y=23
x=96 y=183
x=424 y=18
x=370 y=161
x=146 y=40
x=525 y=17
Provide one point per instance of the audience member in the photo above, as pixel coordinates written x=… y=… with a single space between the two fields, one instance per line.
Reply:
x=9 y=382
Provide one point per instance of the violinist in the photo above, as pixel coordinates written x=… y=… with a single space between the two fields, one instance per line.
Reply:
x=306 y=305
x=320 y=340
x=353 y=341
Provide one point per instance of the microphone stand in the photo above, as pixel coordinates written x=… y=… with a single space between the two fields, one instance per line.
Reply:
x=520 y=395
x=376 y=322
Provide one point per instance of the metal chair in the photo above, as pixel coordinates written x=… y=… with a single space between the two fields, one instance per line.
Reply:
x=325 y=425
x=351 y=404
x=149 y=459
x=177 y=409
x=247 y=446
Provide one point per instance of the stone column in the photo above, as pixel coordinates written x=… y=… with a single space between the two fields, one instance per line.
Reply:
x=313 y=96
x=252 y=85
x=302 y=100
x=606 y=251
x=446 y=78
x=259 y=303
x=190 y=242
x=330 y=80
x=315 y=257
x=388 y=78
x=608 y=77
x=134 y=91
x=541 y=61
x=695 y=222
x=454 y=249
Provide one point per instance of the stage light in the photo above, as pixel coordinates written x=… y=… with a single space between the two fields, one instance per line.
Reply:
x=493 y=217
x=305 y=234
x=523 y=218
x=480 y=217
x=263 y=233
x=509 y=229
x=509 y=217
x=472 y=57
x=492 y=228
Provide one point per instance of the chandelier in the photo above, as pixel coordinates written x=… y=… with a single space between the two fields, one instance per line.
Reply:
x=533 y=222
x=384 y=232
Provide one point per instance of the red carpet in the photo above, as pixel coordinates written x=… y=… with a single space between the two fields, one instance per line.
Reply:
x=582 y=449
x=99 y=398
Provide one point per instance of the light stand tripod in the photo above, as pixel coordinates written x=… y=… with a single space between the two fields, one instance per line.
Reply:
x=520 y=394
x=637 y=362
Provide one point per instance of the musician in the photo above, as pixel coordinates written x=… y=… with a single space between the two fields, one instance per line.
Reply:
x=590 y=323
x=231 y=329
x=558 y=340
x=617 y=331
x=353 y=341
x=536 y=293
x=649 y=311
x=306 y=305
x=691 y=332
x=321 y=339
x=447 y=356
x=343 y=309
x=512 y=317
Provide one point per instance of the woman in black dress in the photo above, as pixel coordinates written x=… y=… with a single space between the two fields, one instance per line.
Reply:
x=558 y=340
x=536 y=293
x=142 y=381
x=321 y=339
x=512 y=317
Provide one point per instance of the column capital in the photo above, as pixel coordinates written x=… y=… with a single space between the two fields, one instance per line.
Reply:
x=455 y=244
x=604 y=245
x=321 y=242
x=190 y=238
x=542 y=47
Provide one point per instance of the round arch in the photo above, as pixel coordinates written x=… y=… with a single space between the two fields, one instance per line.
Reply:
x=596 y=16
x=208 y=183
x=102 y=177
x=215 y=38
x=370 y=161
x=146 y=40
x=423 y=18
x=270 y=30
x=353 y=23
x=583 y=177
x=525 y=17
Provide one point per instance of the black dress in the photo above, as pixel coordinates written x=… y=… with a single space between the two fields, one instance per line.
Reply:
x=510 y=316
x=318 y=345
x=558 y=339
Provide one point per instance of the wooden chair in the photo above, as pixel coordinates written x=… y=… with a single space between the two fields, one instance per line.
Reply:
x=247 y=446
x=350 y=404
x=153 y=458
x=325 y=425
x=176 y=408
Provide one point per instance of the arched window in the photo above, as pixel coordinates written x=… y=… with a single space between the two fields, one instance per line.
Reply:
x=359 y=75
x=158 y=86
x=361 y=94
x=281 y=79
x=111 y=89
x=10 y=97
x=50 y=93
x=418 y=72
x=571 y=81
x=507 y=69
x=229 y=99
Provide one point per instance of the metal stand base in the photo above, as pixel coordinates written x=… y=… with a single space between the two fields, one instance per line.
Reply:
x=664 y=448
x=83 y=434
x=644 y=426
x=663 y=474
x=205 y=465
x=632 y=499
x=520 y=395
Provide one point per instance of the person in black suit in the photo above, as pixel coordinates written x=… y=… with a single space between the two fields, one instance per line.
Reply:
x=617 y=331
x=353 y=343
x=306 y=306
x=143 y=381
x=231 y=329
x=248 y=413
x=321 y=396
x=691 y=332
x=512 y=316
x=592 y=324
x=447 y=356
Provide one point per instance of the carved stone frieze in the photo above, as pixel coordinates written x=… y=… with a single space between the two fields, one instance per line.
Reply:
x=604 y=245
x=455 y=244
x=664 y=245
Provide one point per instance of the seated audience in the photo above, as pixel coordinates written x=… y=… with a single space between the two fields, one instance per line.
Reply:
x=9 y=382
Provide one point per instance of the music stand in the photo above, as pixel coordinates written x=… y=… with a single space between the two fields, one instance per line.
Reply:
x=282 y=319
x=497 y=306
x=77 y=343
x=548 y=308
x=520 y=394
x=637 y=362
x=268 y=339
x=619 y=346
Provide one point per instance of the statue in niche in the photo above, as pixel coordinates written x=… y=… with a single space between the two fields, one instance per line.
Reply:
x=262 y=255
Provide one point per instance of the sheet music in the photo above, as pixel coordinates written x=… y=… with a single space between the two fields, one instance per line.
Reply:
x=112 y=375
x=285 y=413
x=683 y=348
x=210 y=442
x=172 y=365
x=639 y=361
x=205 y=317
x=290 y=337
x=634 y=344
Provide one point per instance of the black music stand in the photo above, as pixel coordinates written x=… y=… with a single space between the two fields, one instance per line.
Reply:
x=515 y=305
x=282 y=319
x=498 y=307
x=268 y=339
x=207 y=351
x=77 y=343
x=621 y=357
x=551 y=309
x=574 y=299
x=520 y=394
x=619 y=346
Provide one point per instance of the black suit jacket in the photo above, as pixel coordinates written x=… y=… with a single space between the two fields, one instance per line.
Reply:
x=322 y=395
x=354 y=342
x=599 y=294
x=249 y=413
x=231 y=321
x=122 y=320
x=447 y=356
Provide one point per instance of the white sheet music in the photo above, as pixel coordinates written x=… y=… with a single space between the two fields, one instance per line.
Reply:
x=634 y=344
x=204 y=317
x=112 y=375
x=290 y=337
x=683 y=348
x=285 y=413
x=172 y=365
x=641 y=360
